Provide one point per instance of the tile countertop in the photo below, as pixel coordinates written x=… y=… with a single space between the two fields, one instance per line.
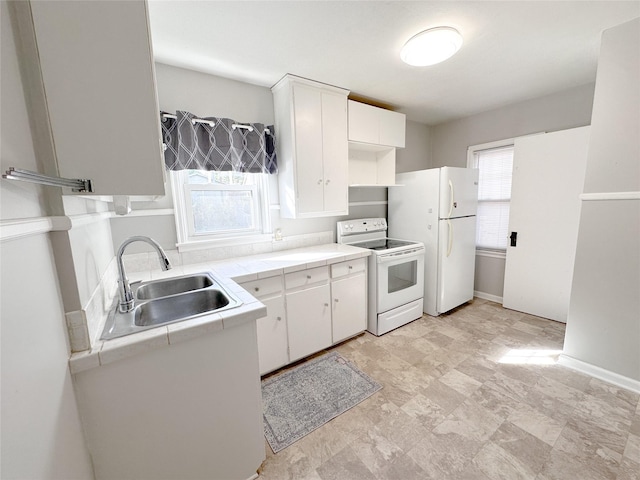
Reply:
x=227 y=272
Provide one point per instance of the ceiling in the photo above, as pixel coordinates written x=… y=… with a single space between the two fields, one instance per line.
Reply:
x=512 y=51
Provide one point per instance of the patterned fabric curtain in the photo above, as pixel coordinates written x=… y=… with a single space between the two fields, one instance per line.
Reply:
x=213 y=143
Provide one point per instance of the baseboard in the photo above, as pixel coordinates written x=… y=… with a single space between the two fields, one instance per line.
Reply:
x=488 y=296
x=600 y=373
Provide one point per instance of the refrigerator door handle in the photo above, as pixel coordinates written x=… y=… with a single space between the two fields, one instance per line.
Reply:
x=450 y=246
x=451 y=204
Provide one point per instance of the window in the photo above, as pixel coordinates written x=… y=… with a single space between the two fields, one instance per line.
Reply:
x=212 y=205
x=495 y=162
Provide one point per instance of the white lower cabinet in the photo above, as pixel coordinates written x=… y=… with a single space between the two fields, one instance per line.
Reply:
x=272 y=336
x=308 y=313
x=349 y=300
x=273 y=348
x=314 y=309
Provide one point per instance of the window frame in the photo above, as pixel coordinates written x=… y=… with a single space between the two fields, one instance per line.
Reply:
x=495 y=252
x=188 y=239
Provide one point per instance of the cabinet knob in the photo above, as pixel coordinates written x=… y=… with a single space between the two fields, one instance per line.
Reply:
x=278 y=318
x=336 y=300
x=257 y=289
x=350 y=267
x=309 y=277
x=326 y=304
x=327 y=182
x=320 y=182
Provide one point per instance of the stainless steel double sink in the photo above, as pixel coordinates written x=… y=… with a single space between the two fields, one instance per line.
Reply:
x=170 y=300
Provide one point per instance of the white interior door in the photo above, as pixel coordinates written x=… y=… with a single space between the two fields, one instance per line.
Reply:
x=548 y=178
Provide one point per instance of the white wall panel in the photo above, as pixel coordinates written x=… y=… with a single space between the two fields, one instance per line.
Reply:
x=603 y=326
x=41 y=433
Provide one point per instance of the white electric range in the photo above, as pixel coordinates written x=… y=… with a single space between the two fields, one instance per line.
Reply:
x=396 y=273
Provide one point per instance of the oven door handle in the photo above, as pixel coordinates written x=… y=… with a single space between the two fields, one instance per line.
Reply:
x=393 y=257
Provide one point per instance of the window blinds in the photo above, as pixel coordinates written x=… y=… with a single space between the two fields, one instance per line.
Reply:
x=494 y=195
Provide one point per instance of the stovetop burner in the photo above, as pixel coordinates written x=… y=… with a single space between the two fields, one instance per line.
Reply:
x=383 y=244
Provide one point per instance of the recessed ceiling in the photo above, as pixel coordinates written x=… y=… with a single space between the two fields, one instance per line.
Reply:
x=513 y=50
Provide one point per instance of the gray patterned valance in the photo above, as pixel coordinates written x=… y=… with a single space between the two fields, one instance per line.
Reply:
x=217 y=144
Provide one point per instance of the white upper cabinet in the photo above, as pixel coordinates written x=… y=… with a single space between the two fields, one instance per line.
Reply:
x=392 y=128
x=369 y=124
x=312 y=146
x=363 y=123
x=97 y=71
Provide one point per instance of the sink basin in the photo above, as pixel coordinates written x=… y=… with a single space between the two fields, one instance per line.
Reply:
x=169 y=300
x=180 y=307
x=173 y=286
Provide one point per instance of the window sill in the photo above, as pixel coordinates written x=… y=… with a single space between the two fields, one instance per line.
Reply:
x=481 y=252
x=223 y=242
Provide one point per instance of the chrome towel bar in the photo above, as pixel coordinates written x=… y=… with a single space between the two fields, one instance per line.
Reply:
x=77 y=185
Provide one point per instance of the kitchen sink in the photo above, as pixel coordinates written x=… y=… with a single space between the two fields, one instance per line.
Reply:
x=170 y=300
x=172 y=286
x=180 y=307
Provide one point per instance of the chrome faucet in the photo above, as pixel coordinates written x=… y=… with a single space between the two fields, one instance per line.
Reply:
x=124 y=289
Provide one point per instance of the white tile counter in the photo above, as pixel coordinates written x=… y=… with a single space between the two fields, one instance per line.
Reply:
x=227 y=272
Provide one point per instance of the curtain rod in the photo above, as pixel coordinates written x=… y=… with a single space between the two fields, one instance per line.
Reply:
x=211 y=123
x=77 y=185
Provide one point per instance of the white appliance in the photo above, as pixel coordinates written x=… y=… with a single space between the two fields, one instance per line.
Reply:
x=396 y=273
x=438 y=208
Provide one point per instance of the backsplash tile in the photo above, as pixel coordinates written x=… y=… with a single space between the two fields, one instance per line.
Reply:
x=78 y=333
x=136 y=262
x=101 y=302
x=144 y=262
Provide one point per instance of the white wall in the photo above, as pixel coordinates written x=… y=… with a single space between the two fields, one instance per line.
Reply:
x=449 y=143
x=417 y=153
x=559 y=111
x=19 y=199
x=41 y=435
x=603 y=326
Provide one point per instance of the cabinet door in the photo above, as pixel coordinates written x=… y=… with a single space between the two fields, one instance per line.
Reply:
x=308 y=321
x=272 y=336
x=363 y=123
x=349 y=299
x=307 y=103
x=335 y=153
x=392 y=128
x=97 y=70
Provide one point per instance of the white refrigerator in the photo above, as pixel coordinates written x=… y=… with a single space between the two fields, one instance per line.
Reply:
x=438 y=207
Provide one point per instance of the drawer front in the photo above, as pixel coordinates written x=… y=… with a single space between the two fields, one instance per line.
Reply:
x=264 y=287
x=306 y=277
x=347 y=268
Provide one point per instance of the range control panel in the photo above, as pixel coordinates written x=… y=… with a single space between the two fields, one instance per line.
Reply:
x=361 y=225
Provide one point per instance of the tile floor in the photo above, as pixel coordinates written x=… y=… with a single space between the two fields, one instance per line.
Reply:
x=452 y=409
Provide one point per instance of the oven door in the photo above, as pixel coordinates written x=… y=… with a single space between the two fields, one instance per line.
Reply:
x=400 y=278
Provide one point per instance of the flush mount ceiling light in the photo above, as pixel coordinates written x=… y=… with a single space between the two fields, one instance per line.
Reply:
x=432 y=46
